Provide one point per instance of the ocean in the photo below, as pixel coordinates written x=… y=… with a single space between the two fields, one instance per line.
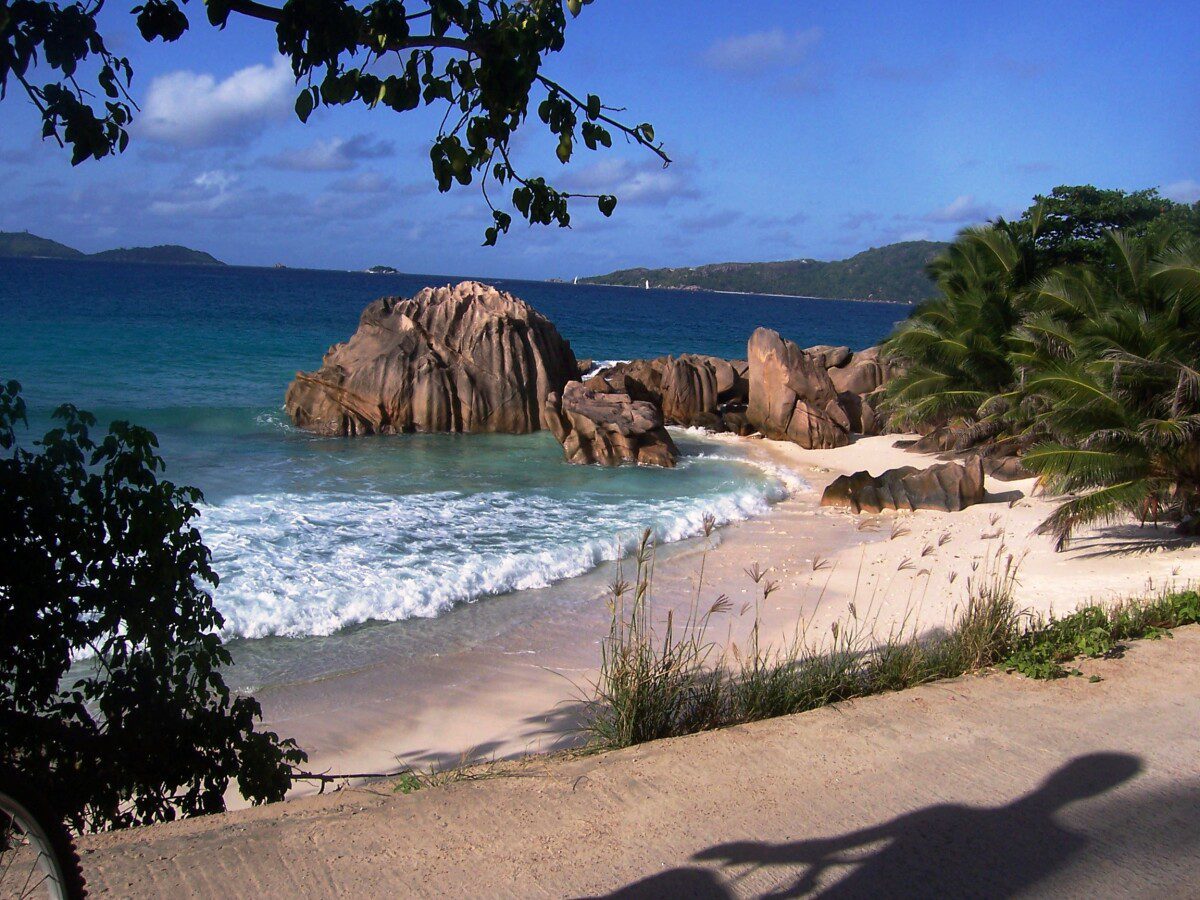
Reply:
x=318 y=536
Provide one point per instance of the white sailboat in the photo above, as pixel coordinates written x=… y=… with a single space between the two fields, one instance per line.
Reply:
x=647 y=284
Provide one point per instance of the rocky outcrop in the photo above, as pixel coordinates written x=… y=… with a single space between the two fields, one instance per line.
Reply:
x=862 y=373
x=791 y=396
x=830 y=357
x=1001 y=458
x=468 y=358
x=949 y=487
x=608 y=428
x=690 y=389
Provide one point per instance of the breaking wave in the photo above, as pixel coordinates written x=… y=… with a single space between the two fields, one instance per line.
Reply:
x=313 y=563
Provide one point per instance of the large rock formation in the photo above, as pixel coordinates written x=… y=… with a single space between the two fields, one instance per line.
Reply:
x=791 y=394
x=691 y=389
x=466 y=358
x=948 y=487
x=608 y=428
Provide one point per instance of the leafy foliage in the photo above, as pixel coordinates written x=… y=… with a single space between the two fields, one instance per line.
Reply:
x=1093 y=366
x=1075 y=218
x=479 y=59
x=1117 y=384
x=109 y=649
x=1097 y=631
x=956 y=347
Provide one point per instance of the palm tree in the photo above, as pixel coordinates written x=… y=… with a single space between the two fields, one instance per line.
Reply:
x=1109 y=362
x=955 y=350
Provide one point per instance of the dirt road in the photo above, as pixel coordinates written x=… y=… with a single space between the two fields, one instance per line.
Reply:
x=991 y=786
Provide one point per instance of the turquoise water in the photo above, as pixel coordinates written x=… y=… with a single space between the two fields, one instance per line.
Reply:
x=311 y=535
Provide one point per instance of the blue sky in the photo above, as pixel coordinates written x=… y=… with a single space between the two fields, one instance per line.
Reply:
x=798 y=130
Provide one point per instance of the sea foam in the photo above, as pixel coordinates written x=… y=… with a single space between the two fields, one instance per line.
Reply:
x=300 y=564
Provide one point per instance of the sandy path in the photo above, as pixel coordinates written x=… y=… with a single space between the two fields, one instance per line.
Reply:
x=982 y=786
x=515 y=692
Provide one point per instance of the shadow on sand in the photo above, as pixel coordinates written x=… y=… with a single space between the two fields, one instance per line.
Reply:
x=948 y=850
x=560 y=728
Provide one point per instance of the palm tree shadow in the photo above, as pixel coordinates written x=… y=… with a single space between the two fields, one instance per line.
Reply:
x=948 y=850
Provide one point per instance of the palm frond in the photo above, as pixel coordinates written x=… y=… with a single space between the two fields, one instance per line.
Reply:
x=1107 y=504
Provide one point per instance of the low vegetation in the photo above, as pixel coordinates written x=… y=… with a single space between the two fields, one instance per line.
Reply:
x=668 y=678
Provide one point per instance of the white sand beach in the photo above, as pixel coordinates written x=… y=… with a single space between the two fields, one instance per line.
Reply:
x=518 y=692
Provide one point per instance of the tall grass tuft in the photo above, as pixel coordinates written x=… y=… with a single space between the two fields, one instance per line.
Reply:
x=654 y=685
x=670 y=681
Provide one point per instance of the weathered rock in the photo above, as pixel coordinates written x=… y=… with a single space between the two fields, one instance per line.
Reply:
x=830 y=357
x=939 y=440
x=691 y=389
x=860 y=411
x=641 y=379
x=791 y=396
x=1001 y=457
x=862 y=373
x=1006 y=468
x=949 y=487
x=608 y=428
x=735 y=421
x=466 y=358
x=583 y=366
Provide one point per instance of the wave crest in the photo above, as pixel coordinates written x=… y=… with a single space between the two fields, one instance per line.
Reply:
x=303 y=564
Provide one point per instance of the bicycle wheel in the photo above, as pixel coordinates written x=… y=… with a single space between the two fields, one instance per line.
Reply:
x=37 y=854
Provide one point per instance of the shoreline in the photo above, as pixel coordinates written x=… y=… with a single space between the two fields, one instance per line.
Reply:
x=516 y=691
x=700 y=290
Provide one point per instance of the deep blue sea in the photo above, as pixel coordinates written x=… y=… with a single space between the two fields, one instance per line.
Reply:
x=311 y=534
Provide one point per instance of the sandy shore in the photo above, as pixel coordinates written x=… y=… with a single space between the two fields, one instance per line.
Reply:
x=993 y=786
x=518 y=691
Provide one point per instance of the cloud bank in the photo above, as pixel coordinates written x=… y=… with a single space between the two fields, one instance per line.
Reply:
x=194 y=109
x=332 y=155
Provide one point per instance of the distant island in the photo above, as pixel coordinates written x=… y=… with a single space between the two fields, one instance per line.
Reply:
x=22 y=244
x=895 y=272
x=382 y=270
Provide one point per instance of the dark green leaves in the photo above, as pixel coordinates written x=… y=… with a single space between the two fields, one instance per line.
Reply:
x=477 y=61
x=99 y=556
x=161 y=20
x=607 y=204
x=305 y=103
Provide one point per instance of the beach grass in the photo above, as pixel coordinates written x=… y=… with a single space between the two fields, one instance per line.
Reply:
x=672 y=678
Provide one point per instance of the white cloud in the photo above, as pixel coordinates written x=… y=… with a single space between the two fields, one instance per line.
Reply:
x=759 y=50
x=192 y=109
x=1186 y=191
x=632 y=185
x=333 y=155
x=206 y=194
x=963 y=208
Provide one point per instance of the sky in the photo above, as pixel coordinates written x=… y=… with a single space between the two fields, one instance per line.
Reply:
x=797 y=130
